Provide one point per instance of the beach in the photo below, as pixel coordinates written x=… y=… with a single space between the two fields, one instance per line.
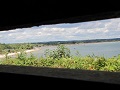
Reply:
x=13 y=54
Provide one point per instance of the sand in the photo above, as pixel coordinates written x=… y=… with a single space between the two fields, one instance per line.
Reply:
x=13 y=54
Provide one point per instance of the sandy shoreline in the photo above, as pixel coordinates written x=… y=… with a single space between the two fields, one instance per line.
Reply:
x=13 y=54
x=32 y=50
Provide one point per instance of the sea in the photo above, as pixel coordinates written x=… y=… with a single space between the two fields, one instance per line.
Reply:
x=106 y=49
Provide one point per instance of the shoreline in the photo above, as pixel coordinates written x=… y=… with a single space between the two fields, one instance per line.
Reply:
x=90 y=43
x=2 y=56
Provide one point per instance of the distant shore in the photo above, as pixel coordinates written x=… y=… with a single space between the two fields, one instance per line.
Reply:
x=91 y=43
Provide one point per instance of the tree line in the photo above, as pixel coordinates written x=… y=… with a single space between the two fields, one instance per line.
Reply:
x=9 y=48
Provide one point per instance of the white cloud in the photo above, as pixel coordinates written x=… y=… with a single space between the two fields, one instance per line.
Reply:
x=87 y=30
x=0 y=36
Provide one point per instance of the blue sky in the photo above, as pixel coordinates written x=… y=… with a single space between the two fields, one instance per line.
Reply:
x=102 y=29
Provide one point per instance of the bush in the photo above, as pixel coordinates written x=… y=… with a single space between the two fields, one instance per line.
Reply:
x=61 y=52
x=22 y=55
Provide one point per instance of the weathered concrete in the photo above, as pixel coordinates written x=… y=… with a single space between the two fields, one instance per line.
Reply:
x=77 y=74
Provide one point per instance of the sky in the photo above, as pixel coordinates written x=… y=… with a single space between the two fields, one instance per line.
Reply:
x=101 y=29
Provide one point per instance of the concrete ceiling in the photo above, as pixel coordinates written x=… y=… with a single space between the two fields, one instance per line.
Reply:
x=30 y=14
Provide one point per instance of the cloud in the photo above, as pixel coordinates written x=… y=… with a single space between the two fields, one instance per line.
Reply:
x=109 y=28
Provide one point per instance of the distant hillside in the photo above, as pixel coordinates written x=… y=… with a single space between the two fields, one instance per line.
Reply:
x=78 y=41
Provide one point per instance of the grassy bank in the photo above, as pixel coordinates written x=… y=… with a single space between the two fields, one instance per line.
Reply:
x=61 y=58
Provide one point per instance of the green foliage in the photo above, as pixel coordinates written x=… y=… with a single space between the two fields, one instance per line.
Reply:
x=60 y=58
x=22 y=56
x=99 y=62
x=15 y=47
x=61 y=52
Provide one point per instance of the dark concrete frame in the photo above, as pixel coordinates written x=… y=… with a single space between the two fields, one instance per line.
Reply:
x=75 y=74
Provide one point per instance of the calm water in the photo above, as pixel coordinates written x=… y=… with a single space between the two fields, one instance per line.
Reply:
x=106 y=49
